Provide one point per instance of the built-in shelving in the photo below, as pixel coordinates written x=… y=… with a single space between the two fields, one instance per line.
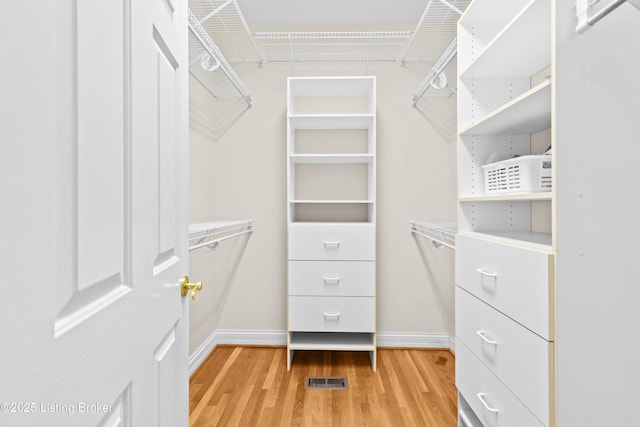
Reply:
x=331 y=182
x=332 y=341
x=528 y=113
x=331 y=158
x=507 y=198
x=522 y=48
x=331 y=121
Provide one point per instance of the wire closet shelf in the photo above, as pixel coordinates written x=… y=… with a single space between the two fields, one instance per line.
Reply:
x=211 y=234
x=440 y=234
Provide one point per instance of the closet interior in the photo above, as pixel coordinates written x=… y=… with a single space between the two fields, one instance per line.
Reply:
x=484 y=125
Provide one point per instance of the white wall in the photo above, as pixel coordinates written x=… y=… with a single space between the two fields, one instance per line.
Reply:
x=238 y=171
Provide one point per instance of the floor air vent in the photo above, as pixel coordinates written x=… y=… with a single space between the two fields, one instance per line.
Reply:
x=326 y=383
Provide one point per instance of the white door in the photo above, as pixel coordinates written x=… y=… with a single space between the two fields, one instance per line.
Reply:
x=93 y=140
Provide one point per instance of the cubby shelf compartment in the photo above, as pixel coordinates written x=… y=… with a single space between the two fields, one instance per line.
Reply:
x=331 y=121
x=526 y=41
x=331 y=158
x=340 y=341
x=528 y=113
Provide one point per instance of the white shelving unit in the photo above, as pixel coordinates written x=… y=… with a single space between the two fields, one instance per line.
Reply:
x=542 y=278
x=504 y=263
x=331 y=160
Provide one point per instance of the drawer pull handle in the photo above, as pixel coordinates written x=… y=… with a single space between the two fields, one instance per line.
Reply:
x=331 y=315
x=485 y=339
x=332 y=244
x=486 y=273
x=484 y=403
x=331 y=280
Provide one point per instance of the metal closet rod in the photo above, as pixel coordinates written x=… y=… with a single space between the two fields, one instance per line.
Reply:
x=207 y=237
x=441 y=235
x=441 y=64
x=205 y=40
x=582 y=10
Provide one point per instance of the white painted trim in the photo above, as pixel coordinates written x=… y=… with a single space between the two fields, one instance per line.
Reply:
x=413 y=340
x=239 y=337
x=201 y=353
x=248 y=337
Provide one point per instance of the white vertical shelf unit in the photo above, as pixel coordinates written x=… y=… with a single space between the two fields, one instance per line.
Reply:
x=504 y=263
x=500 y=53
x=532 y=304
x=331 y=187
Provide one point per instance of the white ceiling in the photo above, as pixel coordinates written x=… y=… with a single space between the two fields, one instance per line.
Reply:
x=331 y=12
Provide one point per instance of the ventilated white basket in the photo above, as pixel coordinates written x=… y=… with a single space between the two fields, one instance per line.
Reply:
x=524 y=174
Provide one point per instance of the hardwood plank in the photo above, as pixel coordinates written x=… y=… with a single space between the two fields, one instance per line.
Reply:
x=251 y=386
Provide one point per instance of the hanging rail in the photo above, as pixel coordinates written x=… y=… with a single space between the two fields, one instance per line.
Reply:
x=440 y=234
x=203 y=37
x=582 y=10
x=436 y=72
x=211 y=234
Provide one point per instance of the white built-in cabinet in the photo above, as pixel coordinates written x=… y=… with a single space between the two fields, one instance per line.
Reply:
x=543 y=298
x=331 y=179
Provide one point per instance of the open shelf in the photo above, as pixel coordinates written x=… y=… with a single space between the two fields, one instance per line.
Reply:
x=521 y=49
x=331 y=121
x=331 y=158
x=341 y=341
x=525 y=239
x=528 y=113
x=507 y=197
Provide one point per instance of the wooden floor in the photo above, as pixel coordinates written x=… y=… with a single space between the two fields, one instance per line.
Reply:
x=250 y=386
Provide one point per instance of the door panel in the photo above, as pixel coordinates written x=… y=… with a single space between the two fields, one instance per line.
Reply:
x=167 y=120
x=95 y=240
x=96 y=139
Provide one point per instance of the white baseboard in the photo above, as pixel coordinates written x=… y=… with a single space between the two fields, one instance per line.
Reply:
x=247 y=337
x=413 y=340
x=239 y=337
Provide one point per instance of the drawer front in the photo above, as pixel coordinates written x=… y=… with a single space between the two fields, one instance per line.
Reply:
x=517 y=356
x=346 y=242
x=332 y=278
x=516 y=281
x=332 y=314
x=477 y=384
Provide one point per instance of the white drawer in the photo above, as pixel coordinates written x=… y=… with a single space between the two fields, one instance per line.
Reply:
x=332 y=278
x=514 y=280
x=477 y=383
x=519 y=358
x=326 y=241
x=332 y=314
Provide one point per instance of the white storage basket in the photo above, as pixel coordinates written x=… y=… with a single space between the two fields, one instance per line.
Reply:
x=524 y=174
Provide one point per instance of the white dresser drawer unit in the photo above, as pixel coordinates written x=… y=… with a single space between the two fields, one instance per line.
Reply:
x=514 y=280
x=517 y=356
x=491 y=401
x=332 y=278
x=326 y=241
x=331 y=314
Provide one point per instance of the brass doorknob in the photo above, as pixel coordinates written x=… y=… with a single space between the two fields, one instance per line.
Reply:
x=187 y=287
